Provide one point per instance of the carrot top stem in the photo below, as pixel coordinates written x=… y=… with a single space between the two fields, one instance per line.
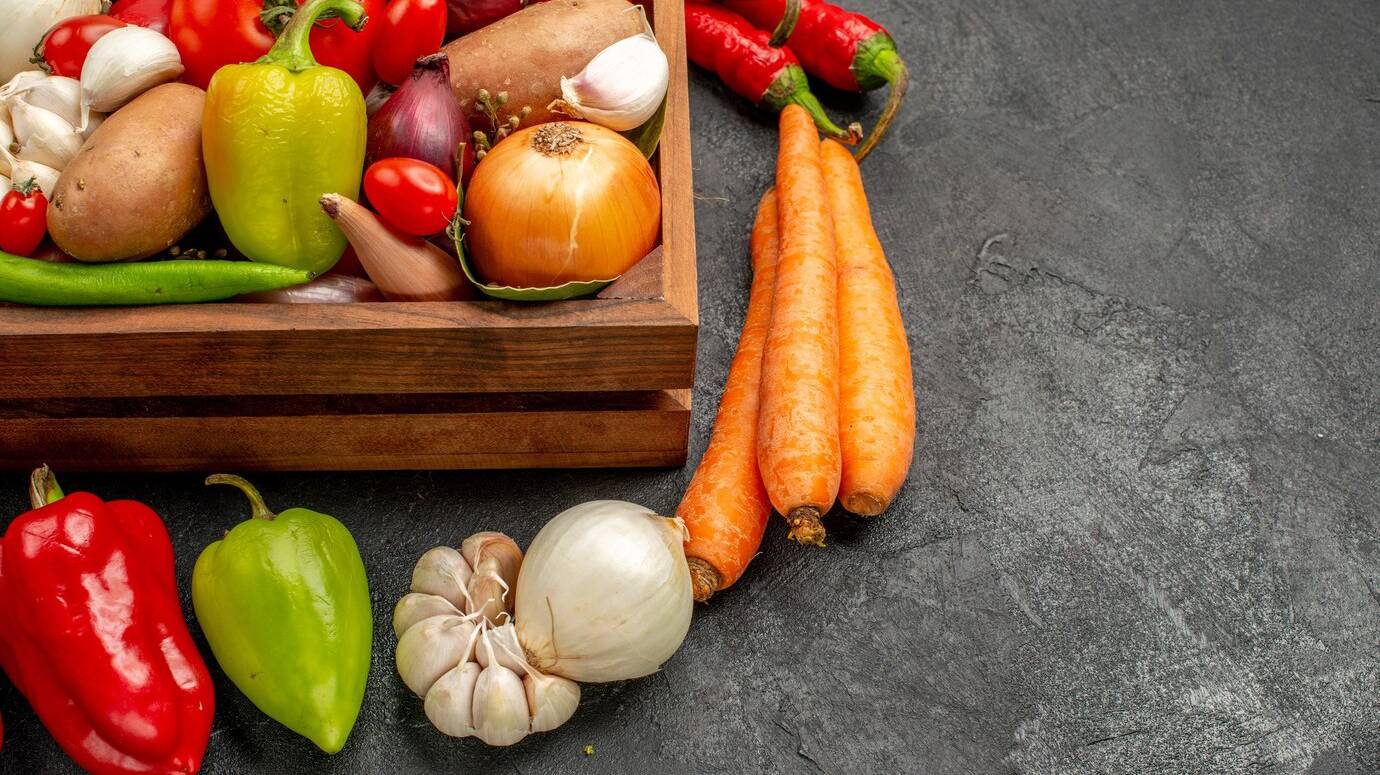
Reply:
x=704 y=580
x=806 y=527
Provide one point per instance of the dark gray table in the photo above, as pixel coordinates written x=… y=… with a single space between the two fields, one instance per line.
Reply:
x=1136 y=244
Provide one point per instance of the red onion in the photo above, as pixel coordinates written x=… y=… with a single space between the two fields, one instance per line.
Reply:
x=423 y=120
x=466 y=16
x=327 y=289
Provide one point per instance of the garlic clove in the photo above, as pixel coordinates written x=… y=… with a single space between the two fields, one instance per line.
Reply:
x=496 y=560
x=449 y=704
x=431 y=647
x=404 y=268
x=16 y=87
x=4 y=183
x=6 y=140
x=93 y=122
x=46 y=177
x=55 y=93
x=621 y=87
x=124 y=63
x=443 y=571
x=506 y=650
x=416 y=606
x=551 y=700
x=500 y=706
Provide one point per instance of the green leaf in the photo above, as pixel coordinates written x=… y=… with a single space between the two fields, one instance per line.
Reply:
x=648 y=136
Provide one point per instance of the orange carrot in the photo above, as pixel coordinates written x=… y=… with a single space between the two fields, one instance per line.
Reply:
x=726 y=506
x=798 y=428
x=876 y=392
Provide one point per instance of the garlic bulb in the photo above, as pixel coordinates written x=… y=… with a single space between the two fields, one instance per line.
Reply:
x=46 y=177
x=472 y=675
x=25 y=23
x=43 y=136
x=621 y=87
x=495 y=559
x=124 y=63
x=604 y=593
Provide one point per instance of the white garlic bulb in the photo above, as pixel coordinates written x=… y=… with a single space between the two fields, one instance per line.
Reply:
x=607 y=582
x=621 y=87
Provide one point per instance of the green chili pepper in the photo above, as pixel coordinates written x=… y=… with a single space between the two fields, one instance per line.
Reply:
x=279 y=133
x=284 y=603
x=46 y=284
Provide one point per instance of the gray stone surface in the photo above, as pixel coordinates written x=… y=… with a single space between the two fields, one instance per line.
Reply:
x=1135 y=244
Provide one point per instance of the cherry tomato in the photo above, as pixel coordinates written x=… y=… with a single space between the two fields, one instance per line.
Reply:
x=23 y=219
x=152 y=14
x=67 y=44
x=411 y=196
x=412 y=29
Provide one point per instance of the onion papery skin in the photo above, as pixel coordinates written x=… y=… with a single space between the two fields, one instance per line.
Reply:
x=539 y=219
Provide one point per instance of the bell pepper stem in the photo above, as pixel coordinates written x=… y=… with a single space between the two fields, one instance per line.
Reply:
x=256 y=501
x=43 y=487
x=293 y=48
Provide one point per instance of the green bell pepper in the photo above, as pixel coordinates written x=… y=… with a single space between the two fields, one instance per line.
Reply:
x=279 y=133
x=284 y=603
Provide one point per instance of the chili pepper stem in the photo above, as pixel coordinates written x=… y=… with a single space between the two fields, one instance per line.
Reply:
x=43 y=487
x=292 y=49
x=810 y=103
x=784 y=28
x=888 y=65
x=256 y=501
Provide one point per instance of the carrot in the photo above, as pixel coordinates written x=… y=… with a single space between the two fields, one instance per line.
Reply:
x=798 y=427
x=726 y=507
x=876 y=392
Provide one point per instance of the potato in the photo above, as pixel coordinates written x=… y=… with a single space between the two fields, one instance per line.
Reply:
x=527 y=53
x=138 y=183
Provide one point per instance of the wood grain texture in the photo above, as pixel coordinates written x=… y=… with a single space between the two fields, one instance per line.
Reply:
x=328 y=433
x=638 y=336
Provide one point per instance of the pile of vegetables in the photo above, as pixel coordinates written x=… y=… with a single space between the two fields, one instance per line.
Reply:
x=229 y=148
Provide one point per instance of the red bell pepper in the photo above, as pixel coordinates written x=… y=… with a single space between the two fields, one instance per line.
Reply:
x=91 y=631
x=143 y=13
x=211 y=34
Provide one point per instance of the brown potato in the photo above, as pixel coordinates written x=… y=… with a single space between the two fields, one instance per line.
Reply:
x=527 y=53
x=138 y=183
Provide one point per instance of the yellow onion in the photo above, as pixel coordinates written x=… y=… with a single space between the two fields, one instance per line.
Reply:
x=562 y=202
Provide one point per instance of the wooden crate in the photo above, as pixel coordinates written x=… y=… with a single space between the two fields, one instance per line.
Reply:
x=593 y=382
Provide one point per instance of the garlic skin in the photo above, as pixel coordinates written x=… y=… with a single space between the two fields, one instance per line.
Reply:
x=443 y=571
x=608 y=583
x=6 y=140
x=432 y=647
x=622 y=87
x=551 y=699
x=46 y=177
x=416 y=606
x=506 y=650
x=449 y=706
x=122 y=64
x=496 y=560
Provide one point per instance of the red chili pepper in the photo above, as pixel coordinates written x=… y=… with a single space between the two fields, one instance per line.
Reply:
x=411 y=29
x=726 y=43
x=213 y=33
x=844 y=49
x=152 y=14
x=92 y=633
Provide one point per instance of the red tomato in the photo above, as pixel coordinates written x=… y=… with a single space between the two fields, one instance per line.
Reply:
x=23 y=219
x=152 y=14
x=410 y=29
x=67 y=44
x=213 y=33
x=411 y=196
